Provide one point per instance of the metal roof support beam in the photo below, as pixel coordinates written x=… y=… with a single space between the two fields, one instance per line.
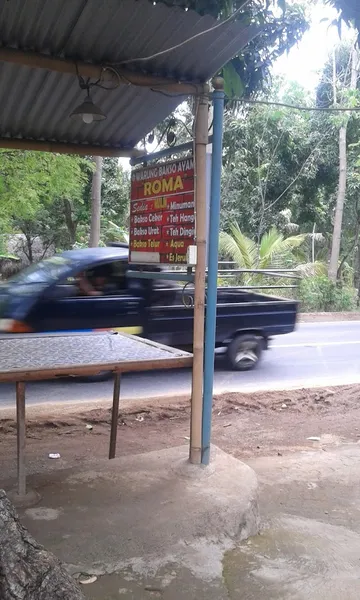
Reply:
x=63 y=148
x=107 y=73
x=213 y=259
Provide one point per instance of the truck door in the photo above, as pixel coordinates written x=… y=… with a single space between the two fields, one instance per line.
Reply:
x=115 y=307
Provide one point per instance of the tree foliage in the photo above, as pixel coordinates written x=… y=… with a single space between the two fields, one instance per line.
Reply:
x=270 y=163
x=273 y=251
x=249 y=71
x=279 y=161
x=46 y=198
x=348 y=9
x=115 y=192
x=348 y=12
x=53 y=193
x=279 y=25
x=339 y=85
x=28 y=179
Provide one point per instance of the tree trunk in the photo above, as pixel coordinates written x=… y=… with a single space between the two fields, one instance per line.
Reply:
x=334 y=77
x=27 y=570
x=340 y=200
x=27 y=246
x=29 y=243
x=96 y=203
x=357 y=274
x=351 y=251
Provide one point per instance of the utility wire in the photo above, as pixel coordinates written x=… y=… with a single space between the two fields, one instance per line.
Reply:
x=270 y=103
x=184 y=42
x=295 y=106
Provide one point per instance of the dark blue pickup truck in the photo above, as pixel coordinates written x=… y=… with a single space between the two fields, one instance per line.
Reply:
x=49 y=297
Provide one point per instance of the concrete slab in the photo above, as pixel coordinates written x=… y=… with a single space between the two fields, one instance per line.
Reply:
x=308 y=547
x=296 y=559
x=147 y=512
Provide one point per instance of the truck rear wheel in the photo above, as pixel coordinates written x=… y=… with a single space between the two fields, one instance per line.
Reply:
x=244 y=352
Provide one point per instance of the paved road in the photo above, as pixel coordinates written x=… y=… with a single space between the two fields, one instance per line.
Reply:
x=316 y=354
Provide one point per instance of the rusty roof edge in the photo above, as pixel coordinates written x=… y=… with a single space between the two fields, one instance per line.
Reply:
x=18 y=143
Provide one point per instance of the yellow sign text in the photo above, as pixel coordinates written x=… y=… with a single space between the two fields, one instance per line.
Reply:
x=151 y=188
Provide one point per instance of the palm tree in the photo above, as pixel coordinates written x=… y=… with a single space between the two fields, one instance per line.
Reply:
x=274 y=250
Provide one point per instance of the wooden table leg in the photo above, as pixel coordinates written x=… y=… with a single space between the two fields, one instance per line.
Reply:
x=21 y=437
x=114 y=416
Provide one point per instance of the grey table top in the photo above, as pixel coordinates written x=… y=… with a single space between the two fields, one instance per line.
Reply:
x=58 y=352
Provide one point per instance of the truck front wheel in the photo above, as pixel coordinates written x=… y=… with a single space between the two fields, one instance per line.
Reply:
x=244 y=352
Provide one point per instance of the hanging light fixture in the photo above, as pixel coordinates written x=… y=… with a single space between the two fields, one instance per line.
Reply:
x=88 y=111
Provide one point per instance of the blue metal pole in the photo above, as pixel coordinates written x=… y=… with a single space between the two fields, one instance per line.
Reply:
x=213 y=249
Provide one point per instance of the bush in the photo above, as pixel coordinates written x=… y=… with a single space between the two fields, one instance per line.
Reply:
x=319 y=294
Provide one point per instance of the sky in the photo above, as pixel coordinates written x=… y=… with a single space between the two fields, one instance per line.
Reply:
x=305 y=60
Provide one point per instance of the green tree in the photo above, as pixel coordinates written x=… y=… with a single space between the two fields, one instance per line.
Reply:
x=40 y=194
x=338 y=88
x=339 y=85
x=115 y=192
x=273 y=251
x=115 y=204
x=270 y=163
x=29 y=178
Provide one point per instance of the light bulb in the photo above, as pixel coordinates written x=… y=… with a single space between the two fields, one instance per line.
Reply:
x=87 y=118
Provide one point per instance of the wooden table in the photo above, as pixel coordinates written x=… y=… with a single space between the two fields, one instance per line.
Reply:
x=49 y=356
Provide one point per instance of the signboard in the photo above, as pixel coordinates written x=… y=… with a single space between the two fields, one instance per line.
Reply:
x=162 y=212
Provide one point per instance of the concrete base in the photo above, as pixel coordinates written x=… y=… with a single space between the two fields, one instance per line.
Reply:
x=147 y=511
x=31 y=498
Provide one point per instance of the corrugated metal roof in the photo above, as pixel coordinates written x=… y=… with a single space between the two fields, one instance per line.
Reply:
x=35 y=103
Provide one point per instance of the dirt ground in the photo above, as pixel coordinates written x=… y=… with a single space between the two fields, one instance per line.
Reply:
x=244 y=425
x=309 y=545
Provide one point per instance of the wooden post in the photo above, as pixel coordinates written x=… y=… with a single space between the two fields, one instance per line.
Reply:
x=21 y=437
x=87 y=69
x=201 y=140
x=114 y=416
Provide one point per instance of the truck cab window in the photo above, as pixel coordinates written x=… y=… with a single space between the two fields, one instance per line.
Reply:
x=101 y=280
